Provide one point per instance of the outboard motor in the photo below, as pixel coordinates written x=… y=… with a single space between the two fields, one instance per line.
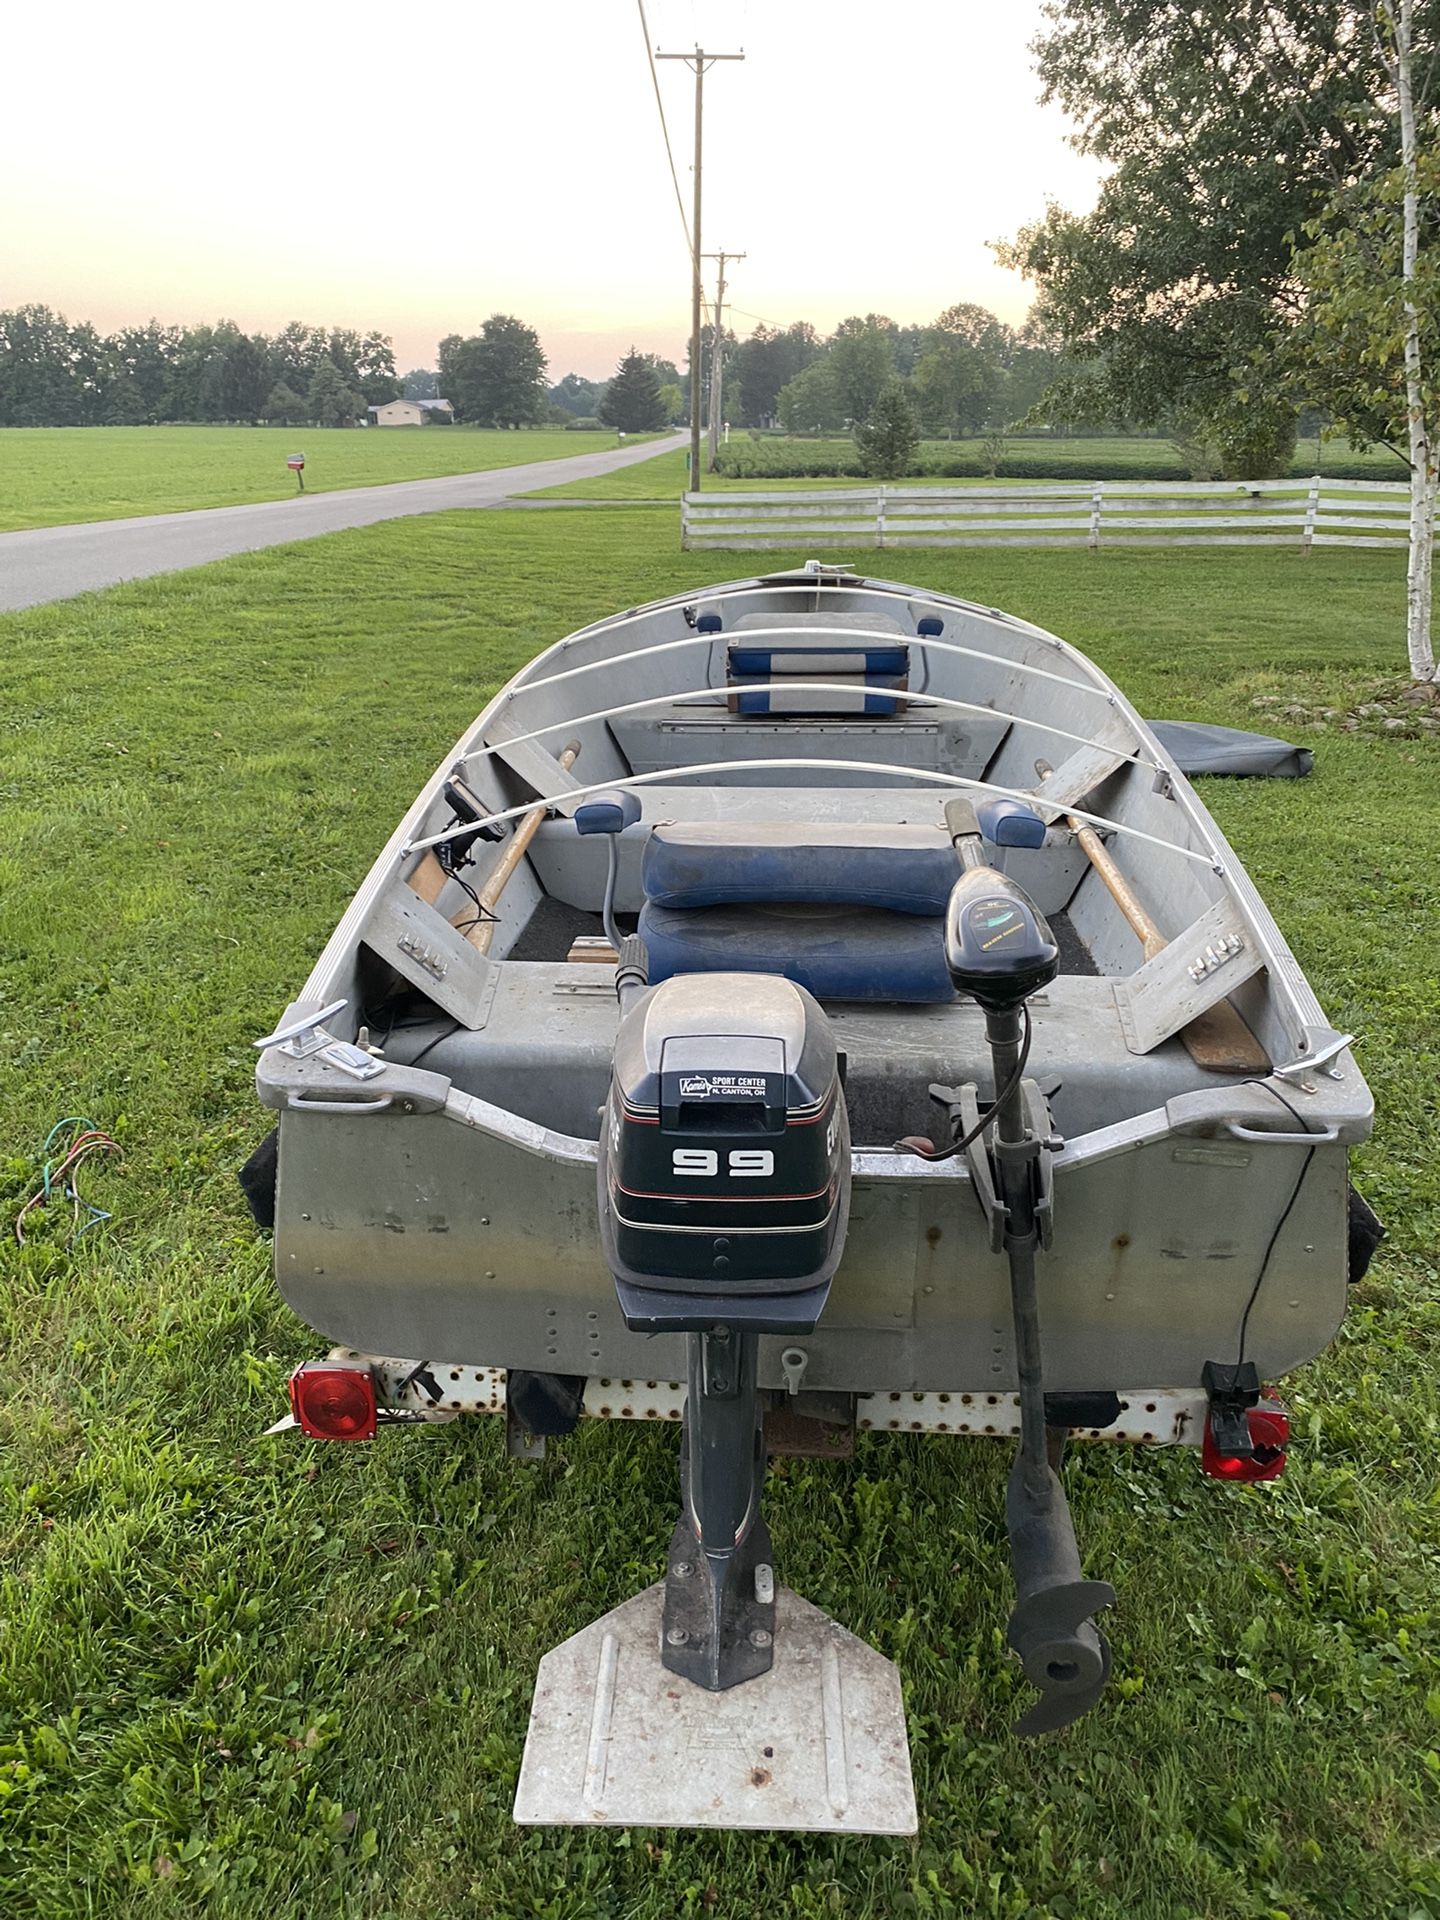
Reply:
x=724 y=1192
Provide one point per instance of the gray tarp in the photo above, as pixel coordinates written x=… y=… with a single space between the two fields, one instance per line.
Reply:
x=1197 y=747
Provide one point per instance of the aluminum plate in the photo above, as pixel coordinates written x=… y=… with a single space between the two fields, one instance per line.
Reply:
x=817 y=1745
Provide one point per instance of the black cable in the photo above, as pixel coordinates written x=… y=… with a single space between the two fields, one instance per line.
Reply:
x=1280 y=1223
x=987 y=1119
x=482 y=912
x=430 y=1045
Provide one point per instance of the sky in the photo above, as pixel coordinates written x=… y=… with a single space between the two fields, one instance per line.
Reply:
x=415 y=170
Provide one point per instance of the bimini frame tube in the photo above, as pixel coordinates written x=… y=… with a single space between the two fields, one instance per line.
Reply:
x=718 y=697
x=922 y=777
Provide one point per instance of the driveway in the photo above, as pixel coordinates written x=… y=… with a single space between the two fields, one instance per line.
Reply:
x=55 y=563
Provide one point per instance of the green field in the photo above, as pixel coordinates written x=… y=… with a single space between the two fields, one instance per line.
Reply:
x=248 y=1678
x=50 y=476
x=663 y=478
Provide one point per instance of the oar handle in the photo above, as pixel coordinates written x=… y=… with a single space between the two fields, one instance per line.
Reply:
x=481 y=934
x=1121 y=892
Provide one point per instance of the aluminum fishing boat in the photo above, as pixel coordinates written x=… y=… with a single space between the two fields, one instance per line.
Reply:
x=806 y=1005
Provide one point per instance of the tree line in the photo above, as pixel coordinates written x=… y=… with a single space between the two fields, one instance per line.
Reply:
x=55 y=373
x=966 y=372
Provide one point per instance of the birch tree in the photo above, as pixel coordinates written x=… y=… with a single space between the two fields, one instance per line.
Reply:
x=1368 y=344
x=1396 y=33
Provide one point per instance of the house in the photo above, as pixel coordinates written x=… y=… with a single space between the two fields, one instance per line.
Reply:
x=409 y=413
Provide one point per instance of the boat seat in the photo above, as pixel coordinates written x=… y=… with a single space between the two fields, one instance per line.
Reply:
x=865 y=669
x=865 y=676
x=851 y=912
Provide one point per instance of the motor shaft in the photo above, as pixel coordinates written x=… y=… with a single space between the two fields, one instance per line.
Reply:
x=719 y=1619
x=1064 y=1654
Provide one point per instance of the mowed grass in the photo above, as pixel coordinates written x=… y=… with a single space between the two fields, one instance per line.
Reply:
x=50 y=476
x=663 y=478
x=261 y=1679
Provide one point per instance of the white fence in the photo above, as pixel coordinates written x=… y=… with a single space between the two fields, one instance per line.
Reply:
x=1111 y=513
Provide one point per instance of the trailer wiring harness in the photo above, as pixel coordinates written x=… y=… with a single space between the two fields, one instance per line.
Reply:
x=58 y=1175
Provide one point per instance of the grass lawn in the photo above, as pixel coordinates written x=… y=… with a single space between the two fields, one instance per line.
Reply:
x=50 y=476
x=268 y=1681
x=663 y=478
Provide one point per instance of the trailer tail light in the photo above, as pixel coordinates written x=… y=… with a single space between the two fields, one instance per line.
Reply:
x=333 y=1402
x=1269 y=1437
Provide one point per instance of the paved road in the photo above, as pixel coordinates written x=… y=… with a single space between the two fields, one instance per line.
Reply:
x=54 y=563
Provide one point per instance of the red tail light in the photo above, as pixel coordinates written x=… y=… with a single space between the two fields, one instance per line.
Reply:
x=333 y=1402
x=1269 y=1435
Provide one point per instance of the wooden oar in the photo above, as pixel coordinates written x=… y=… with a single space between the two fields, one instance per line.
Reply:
x=1218 y=1038
x=479 y=934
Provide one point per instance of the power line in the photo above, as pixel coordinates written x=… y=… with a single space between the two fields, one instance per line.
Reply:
x=660 y=105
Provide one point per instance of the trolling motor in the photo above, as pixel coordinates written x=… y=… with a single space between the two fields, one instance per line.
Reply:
x=999 y=950
x=724 y=1191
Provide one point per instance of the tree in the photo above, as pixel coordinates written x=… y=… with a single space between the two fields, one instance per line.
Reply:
x=496 y=377
x=124 y=402
x=421 y=383
x=769 y=360
x=888 y=438
x=862 y=361
x=1370 y=342
x=284 y=407
x=960 y=378
x=634 y=402
x=576 y=394
x=147 y=354
x=1225 y=125
x=197 y=377
x=330 y=402
x=811 y=402
x=39 y=385
x=378 y=379
x=296 y=353
x=245 y=379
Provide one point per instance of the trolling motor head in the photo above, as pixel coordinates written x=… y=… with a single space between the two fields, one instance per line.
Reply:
x=998 y=946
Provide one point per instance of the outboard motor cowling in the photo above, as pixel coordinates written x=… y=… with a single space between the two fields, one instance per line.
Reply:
x=724 y=1171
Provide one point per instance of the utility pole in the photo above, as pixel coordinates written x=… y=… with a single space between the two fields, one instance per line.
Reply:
x=717 y=353
x=699 y=62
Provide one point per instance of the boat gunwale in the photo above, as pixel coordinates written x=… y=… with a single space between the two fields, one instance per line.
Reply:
x=1286 y=977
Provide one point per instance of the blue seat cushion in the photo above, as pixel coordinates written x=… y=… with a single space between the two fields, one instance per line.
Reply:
x=866 y=677
x=864 y=674
x=902 y=869
x=836 y=952
x=816 y=663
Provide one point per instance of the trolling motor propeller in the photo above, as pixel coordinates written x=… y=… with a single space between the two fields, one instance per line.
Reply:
x=999 y=950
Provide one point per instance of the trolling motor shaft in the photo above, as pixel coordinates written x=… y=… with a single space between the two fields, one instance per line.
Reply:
x=1063 y=1653
x=999 y=950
